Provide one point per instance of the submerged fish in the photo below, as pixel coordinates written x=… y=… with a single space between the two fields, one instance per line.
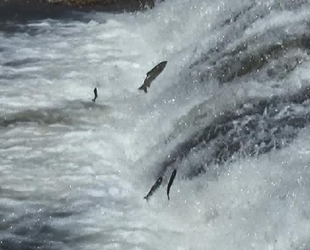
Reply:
x=154 y=188
x=174 y=173
x=96 y=95
x=151 y=75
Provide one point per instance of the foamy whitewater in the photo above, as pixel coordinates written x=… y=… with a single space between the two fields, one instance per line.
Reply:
x=230 y=112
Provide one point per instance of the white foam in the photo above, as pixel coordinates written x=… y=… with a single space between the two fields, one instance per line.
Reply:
x=100 y=159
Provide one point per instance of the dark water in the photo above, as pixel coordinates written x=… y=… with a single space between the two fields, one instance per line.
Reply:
x=20 y=11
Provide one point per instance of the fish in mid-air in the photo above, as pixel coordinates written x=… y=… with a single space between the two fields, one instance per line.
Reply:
x=151 y=75
x=174 y=173
x=158 y=183
x=154 y=188
x=96 y=95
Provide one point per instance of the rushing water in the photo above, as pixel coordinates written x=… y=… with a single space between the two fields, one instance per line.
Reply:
x=230 y=112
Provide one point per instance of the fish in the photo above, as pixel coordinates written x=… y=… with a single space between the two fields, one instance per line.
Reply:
x=96 y=95
x=152 y=74
x=174 y=173
x=154 y=188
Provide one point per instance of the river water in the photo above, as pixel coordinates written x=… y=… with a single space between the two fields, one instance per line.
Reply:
x=230 y=112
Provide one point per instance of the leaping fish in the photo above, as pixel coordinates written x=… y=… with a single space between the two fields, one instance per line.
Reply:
x=154 y=188
x=174 y=173
x=151 y=75
x=96 y=95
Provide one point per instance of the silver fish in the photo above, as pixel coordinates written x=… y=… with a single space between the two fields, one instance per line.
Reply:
x=151 y=75
x=154 y=188
x=174 y=173
x=96 y=95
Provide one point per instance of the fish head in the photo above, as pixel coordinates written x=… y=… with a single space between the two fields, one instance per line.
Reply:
x=163 y=64
x=160 y=67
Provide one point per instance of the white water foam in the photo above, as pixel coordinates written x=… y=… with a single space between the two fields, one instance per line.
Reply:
x=83 y=168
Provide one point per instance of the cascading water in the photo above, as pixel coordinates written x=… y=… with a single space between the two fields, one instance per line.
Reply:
x=230 y=112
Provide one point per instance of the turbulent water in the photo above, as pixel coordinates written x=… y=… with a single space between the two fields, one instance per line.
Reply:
x=230 y=112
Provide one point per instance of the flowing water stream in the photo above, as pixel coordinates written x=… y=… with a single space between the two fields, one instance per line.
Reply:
x=230 y=112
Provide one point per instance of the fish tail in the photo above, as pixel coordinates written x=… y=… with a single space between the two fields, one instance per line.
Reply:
x=143 y=87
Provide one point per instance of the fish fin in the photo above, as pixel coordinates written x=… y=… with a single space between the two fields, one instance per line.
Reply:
x=143 y=87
